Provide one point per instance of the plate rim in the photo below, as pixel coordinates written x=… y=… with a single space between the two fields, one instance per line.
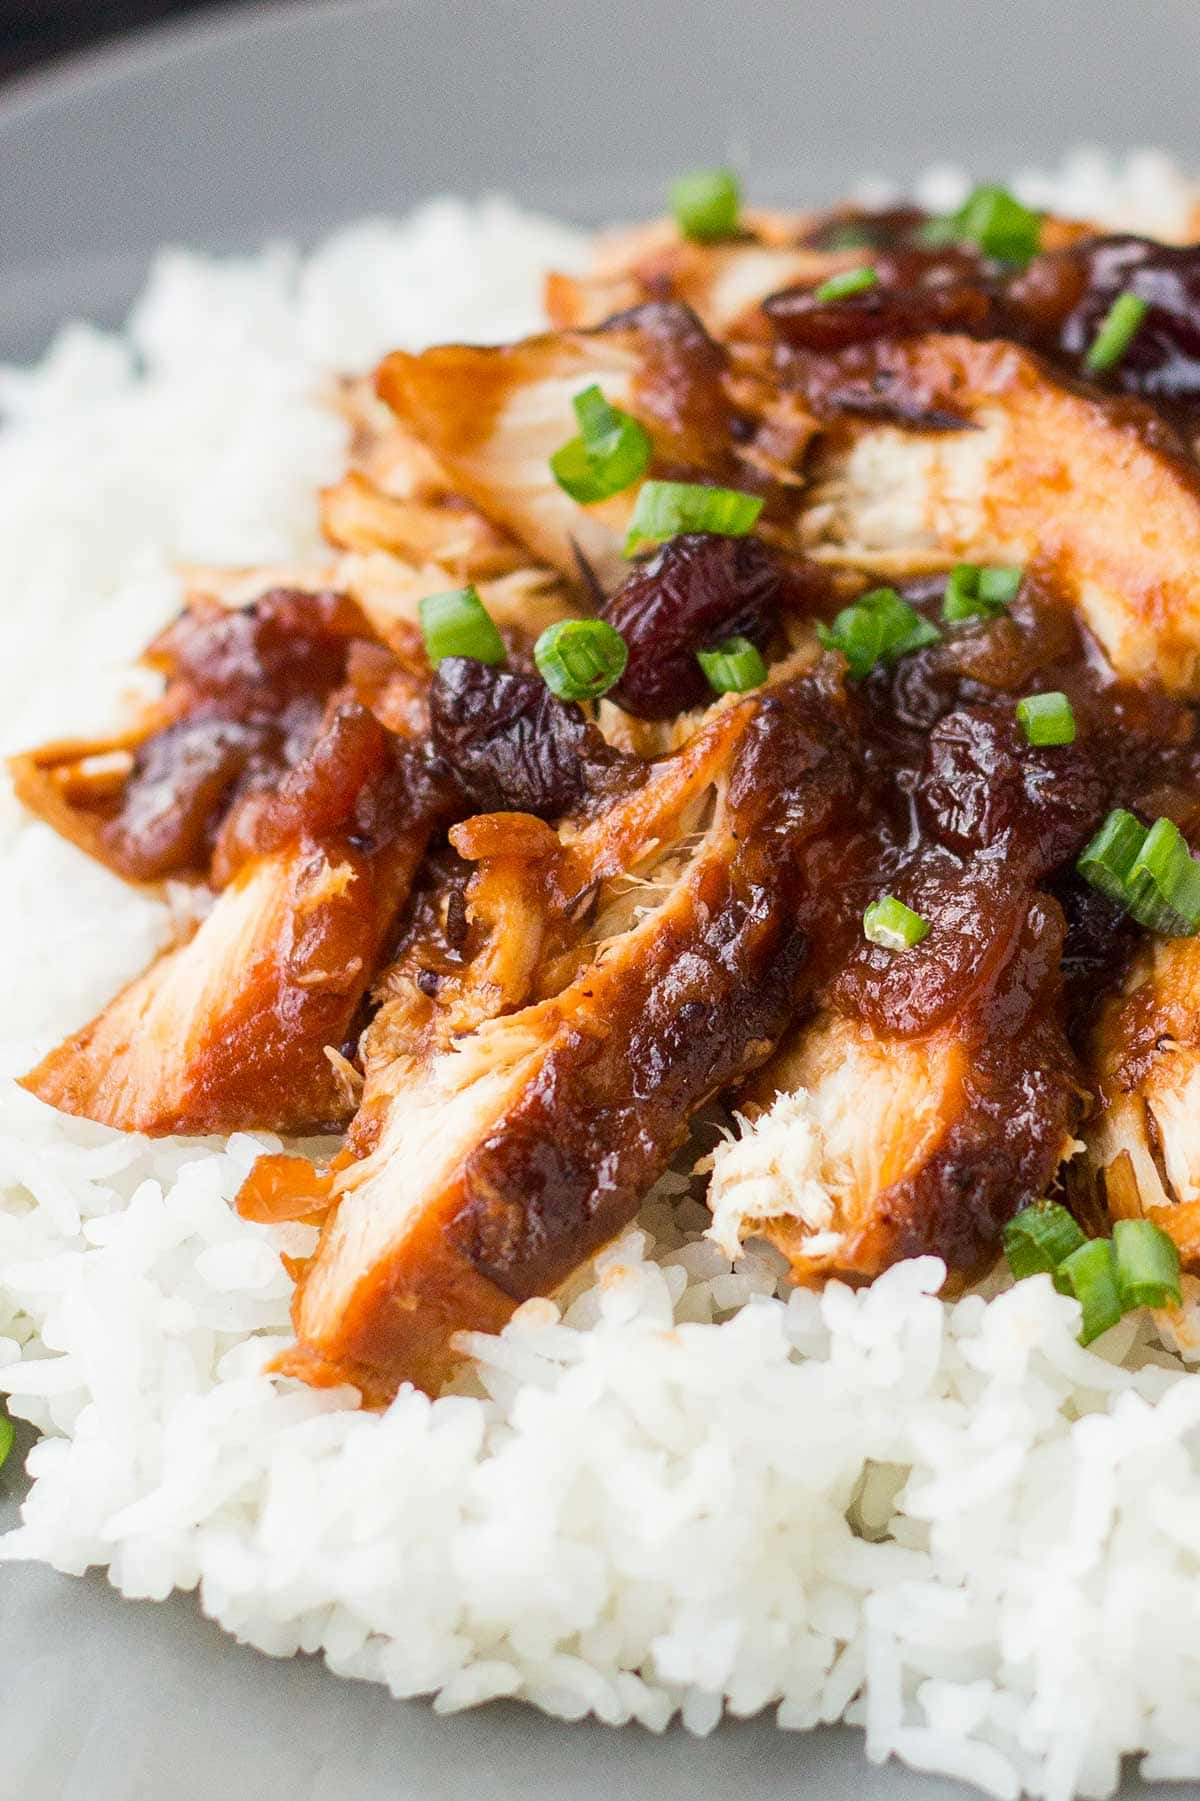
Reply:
x=143 y=50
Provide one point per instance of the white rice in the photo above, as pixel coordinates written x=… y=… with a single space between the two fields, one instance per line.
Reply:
x=946 y=1523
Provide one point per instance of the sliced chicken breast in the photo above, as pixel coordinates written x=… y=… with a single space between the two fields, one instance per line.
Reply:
x=1143 y=1137
x=230 y=1031
x=858 y=1147
x=1089 y=490
x=493 y=418
x=496 y=1164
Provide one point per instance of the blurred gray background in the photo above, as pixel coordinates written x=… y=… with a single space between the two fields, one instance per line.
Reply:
x=307 y=112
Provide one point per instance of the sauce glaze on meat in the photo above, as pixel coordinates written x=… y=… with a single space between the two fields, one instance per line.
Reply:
x=506 y=835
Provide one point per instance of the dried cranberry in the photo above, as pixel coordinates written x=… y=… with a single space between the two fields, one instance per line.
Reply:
x=1101 y=937
x=692 y=592
x=1162 y=360
x=181 y=779
x=511 y=744
x=916 y=291
x=983 y=786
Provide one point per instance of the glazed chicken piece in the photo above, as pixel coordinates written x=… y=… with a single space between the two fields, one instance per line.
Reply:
x=264 y=770
x=357 y=515
x=726 y=281
x=232 y=1031
x=396 y=497
x=494 y=417
x=1143 y=1140
x=724 y=284
x=1089 y=490
x=861 y=1146
x=660 y=952
x=244 y=1025
x=244 y=698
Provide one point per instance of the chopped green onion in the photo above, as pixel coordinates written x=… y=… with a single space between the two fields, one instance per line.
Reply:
x=610 y=453
x=1147 y=1265
x=596 y=415
x=1038 y=1240
x=1165 y=883
x=1107 y=862
x=1047 y=719
x=664 y=509
x=1090 y=1274
x=890 y=923
x=706 y=203
x=7 y=1434
x=979 y=591
x=880 y=626
x=999 y=584
x=846 y=285
x=457 y=624
x=995 y=220
x=733 y=667
x=1148 y=871
x=579 y=659
x=1118 y=329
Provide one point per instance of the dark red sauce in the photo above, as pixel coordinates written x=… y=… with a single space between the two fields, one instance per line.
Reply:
x=249 y=691
x=1055 y=305
x=967 y=819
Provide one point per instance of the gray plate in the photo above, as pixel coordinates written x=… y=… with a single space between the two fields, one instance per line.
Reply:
x=287 y=120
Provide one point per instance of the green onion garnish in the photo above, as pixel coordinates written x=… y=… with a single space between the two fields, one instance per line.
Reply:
x=999 y=584
x=1117 y=331
x=664 y=509
x=979 y=591
x=1147 y=1265
x=1137 y=1267
x=879 y=627
x=995 y=220
x=1165 y=883
x=579 y=659
x=7 y=1434
x=1107 y=862
x=457 y=624
x=610 y=453
x=1090 y=1274
x=1149 y=871
x=706 y=203
x=893 y=925
x=1038 y=1240
x=1047 y=719
x=733 y=667
x=846 y=285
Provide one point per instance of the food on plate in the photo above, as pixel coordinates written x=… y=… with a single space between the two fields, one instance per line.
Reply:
x=873 y=602
x=739 y=747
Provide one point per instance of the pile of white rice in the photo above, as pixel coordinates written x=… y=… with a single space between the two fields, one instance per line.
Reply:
x=683 y=1493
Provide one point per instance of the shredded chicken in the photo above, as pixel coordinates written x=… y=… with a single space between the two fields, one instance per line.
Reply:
x=229 y=1031
x=1046 y=476
x=496 y=1157
x=514 y=943
x=1143 y=1142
